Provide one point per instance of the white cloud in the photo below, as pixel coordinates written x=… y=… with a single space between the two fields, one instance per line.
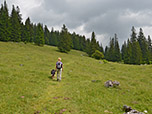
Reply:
x=104 y=17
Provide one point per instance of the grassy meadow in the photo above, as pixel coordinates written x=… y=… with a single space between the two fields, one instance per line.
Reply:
x=26 y=86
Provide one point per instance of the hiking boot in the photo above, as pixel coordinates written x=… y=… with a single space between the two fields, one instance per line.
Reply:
x=58 y=80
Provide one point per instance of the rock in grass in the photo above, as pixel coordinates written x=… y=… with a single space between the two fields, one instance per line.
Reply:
x=93 y=80
x=21 y=65
x=100 y=62
x=111 y=83
x=129 y=110
x=96 y=81
x=115 y=83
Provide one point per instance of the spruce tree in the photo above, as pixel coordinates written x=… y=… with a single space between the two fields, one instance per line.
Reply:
x=136 y=57
x=111 y=51
x=75 y=40
x=4 y=23
x=34 y=32
x=15 y=20
x=82 y=43
x=94 y=45
x=117 y=55
x=106 y=54
x=143 y=46
x=123 y=50
x=27 y=30
x=23 y=33
x=53 y=40
x=128 y=53
x=87 y=47
x=149 y=48
x=57 y=37
x=101 y=48
x=65 y=42
x=138 y=53
x=39 y=39
x=46 y=35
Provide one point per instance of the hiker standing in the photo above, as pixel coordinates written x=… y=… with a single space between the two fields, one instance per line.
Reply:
x=59 y=68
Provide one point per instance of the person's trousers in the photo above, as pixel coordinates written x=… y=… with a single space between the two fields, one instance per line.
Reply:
x=59 y=73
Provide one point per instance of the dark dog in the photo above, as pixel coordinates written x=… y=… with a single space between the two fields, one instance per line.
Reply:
x=53 y=73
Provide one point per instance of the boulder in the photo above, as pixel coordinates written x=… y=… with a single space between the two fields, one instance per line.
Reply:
x=129 y=110
x=111 y=83
x=115 y=83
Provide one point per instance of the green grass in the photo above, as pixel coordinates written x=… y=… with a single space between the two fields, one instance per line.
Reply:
x=25 y=71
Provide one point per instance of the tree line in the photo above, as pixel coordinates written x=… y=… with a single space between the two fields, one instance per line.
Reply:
x=13 y=29
x=137 y=49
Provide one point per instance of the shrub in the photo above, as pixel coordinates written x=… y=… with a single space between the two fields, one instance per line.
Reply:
x=98 y=55
x=105 y=61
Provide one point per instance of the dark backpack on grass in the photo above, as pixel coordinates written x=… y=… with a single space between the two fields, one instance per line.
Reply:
x=53 y=72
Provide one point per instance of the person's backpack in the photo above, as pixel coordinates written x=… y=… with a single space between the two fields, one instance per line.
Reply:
x=53 y=72
x=59 y=65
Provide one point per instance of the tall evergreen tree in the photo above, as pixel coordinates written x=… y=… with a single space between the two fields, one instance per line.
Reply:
x=128 y=53
x=39 y=40
x=101 y=48
x=143 y=46
x=19 y=16
x=65 y=42
x=82 y=43
x=75 y=40
x=106 y=53
x=93 y=45
x=117 y=55
x=34 y=32
x=149 y=48
x=136 y=51
x=87 y=47
x=133 y=35
x=4 y=23
x=53 y=40
x=111 y=51
x=46 y=34
x=27 y=31
x=15 y=20
x=23 y=33
x=28 y=34
x=123 y=50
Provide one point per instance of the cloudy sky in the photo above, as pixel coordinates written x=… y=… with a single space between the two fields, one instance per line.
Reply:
x=104 y=17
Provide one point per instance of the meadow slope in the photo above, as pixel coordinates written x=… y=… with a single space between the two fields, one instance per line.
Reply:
x=26 y=86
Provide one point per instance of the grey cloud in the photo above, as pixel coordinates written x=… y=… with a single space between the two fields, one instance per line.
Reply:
x=104 y=17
